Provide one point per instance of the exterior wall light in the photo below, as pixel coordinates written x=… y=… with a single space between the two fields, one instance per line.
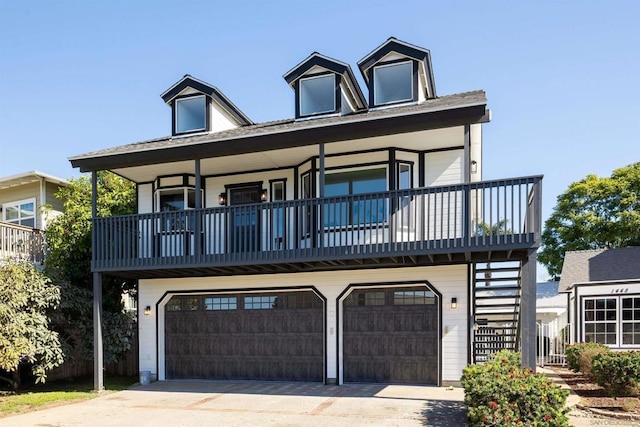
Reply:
x=454 y=303
x=474 y=166
x=222 y=199
x=147 y=310
x=264 y=196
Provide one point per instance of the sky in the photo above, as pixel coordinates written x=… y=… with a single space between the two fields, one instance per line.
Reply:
x=562 y=77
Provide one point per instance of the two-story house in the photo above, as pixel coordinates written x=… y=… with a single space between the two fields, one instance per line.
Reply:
x=27 y=203
x=353 y=242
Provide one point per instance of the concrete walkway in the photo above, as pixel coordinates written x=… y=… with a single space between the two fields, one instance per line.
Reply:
x=209 y=403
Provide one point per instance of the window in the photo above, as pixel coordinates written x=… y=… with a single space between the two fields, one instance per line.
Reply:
x=631 y=321
x=613 y=321
x=365 y=210
x=317 y=95
x=190 y=114
x=393 y=83
x=220 y=303
x=22 y=212
x=262 y=302
x=405 y=175
x=176 y=200
x=365 y=298
x=278 y=214
x=413 y=297
x=175 y=304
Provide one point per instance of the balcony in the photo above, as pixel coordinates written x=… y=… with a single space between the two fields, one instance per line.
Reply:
x=21 y=243
x=484 y=221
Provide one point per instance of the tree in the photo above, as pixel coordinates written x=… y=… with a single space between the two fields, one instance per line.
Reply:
x=68 y=263
x=25 y=334
x=593 y=213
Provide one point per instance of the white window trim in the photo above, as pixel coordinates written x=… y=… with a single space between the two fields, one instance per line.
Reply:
x=18 y=203
x=618 y=320
x=316 y=113
x=175 y=115
x=397 y=101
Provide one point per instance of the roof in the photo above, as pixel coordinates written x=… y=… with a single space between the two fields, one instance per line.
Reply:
x=29 y=177
x=600 y=265
x=451 y=110
x=189 y=81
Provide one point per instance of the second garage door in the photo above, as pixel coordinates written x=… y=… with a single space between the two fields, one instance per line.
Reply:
x=265 y=336
x=391 y=335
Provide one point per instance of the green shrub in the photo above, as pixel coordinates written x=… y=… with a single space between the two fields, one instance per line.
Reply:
x=618 y=372
x=580 y=356
x=501 y=393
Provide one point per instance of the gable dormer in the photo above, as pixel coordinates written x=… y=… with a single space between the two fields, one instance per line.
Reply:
x=397 y=72
x=198 y=107
x=324 y=86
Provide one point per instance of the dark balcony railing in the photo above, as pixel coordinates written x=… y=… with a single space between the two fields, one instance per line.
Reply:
x=462 y=217
x=20 y=242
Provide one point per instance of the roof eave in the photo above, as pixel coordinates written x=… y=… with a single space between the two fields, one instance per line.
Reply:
x=289 y=138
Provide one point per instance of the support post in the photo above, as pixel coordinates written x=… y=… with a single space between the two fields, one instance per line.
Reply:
x=321 y=193
x=528 y=339
x=197 y=226
x=98 y=354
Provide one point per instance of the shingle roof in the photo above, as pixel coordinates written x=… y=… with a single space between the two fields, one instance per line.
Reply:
x=449 y=102
x=600 y=265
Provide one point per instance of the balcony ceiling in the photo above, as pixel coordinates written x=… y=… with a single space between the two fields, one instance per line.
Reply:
x=289 y=157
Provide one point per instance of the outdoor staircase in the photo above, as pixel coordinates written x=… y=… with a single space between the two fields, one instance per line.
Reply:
x=496 y=308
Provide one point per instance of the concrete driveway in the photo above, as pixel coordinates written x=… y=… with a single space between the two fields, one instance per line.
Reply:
x=209 y=403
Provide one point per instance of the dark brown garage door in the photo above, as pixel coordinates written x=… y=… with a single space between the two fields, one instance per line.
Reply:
x=391 y=335
x=266 y=336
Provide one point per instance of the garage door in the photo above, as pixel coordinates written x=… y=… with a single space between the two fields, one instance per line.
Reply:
x=391 y=335
x=266 y=336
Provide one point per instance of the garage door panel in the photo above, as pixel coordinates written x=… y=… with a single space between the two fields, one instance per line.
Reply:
x=391 y=335
x=268 y=341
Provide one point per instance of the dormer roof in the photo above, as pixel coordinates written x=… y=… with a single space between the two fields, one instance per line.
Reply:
x=393 y=45
x=316 y=62
x=189 y=82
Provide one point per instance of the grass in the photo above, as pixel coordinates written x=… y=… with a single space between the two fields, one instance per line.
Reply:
x=57 y=393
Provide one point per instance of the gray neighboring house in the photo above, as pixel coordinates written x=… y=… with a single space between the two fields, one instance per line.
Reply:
x=604 y=296
x=23 y=216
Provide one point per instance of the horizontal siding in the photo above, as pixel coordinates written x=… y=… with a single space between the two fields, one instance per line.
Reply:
x=443 y=168
x=145 y=198
x=450 y=281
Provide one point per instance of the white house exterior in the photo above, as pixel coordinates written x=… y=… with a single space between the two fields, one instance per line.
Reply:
x=603 y=286
x=345 y=244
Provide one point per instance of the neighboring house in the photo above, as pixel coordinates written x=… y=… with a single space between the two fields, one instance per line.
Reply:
x=28 y=203
x=349 y=243
x=604 y=295
x=552 y=318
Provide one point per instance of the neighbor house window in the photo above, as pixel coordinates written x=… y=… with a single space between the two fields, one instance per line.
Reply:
x=317 y=95
x=22 y=212
x=613 y=321
x=190 y=114
x=365 y=210
x=393 y=83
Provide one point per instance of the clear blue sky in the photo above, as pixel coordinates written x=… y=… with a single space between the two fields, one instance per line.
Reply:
x=562 y=77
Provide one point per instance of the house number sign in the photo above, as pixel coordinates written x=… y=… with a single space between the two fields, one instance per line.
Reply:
x=619 y=290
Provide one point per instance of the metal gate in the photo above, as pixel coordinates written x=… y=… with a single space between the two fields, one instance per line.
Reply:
x=553 y=339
